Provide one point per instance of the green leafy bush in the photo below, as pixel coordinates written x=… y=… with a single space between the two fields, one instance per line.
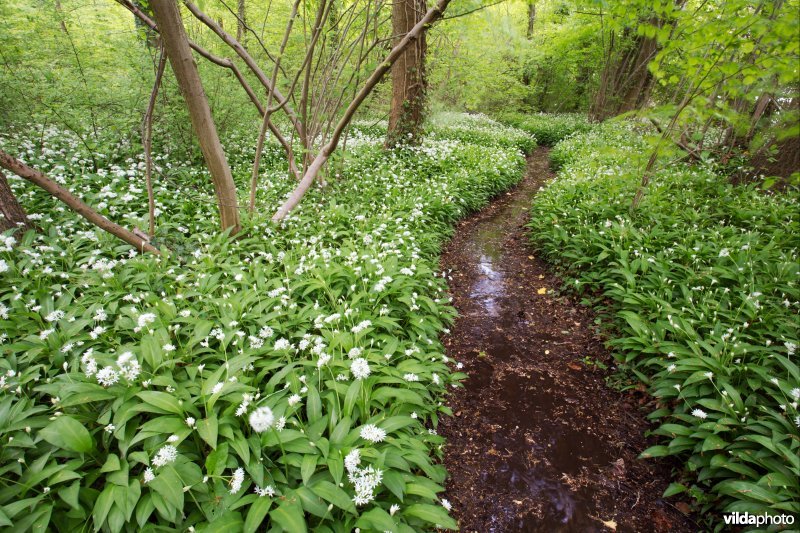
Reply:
x=702 y=286
x=292 y=374
x=548 y=128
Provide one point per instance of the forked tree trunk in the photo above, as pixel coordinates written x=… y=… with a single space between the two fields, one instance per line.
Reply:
x=409 y=83
x=176 y=45
x=12 y=215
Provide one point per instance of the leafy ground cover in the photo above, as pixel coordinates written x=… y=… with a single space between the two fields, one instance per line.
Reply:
x=701 y=284
x=548 y=128
x=293 y=373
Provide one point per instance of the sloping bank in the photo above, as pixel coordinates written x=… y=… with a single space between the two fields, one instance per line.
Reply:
x=701 y=288
x=290 y=375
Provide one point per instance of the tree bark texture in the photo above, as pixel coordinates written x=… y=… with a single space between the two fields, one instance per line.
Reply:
x=531 y=19
x=12 y=215
x=409 y=83
x=176 y=45
x=73 y=202
x=241 y=22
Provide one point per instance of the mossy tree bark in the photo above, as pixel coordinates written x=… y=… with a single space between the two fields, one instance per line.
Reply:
x=409 y=83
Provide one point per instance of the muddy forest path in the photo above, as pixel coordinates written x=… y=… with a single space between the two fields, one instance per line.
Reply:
x=538 y=441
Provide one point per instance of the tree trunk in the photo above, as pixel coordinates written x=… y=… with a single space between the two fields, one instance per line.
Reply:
x=176 y=45
x=73 y=202
x=626 y=81
x=60 y=12
x=409 y=83
x=12 y=215
x=531 y=19
x=241 y=22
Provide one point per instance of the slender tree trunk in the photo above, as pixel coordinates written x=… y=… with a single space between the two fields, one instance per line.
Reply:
x=12 y=215
x=531 y=19
x=147 y=144
x=409 y=83
x=60 y=12
x=176 y=45
x=73 y=202
x=241 y=23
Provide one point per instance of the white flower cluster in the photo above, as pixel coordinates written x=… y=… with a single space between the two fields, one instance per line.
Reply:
x=364 y=480
x=372 y=433
x=126 y=366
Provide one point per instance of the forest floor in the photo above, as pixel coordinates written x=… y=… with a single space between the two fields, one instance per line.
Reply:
x=538 y=442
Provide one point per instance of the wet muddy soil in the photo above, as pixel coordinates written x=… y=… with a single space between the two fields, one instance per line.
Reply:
x=538 y=441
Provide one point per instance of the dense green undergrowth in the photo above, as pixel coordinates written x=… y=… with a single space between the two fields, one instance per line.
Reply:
x=548 y=128
x=701 y=284
x=291 y=374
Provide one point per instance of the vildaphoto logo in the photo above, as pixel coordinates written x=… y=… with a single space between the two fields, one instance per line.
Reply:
x=748 y=519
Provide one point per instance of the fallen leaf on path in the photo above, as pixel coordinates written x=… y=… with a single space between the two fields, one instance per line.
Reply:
x=543 y=290
x=574 y=366
x=530 y=257
x=610 y=524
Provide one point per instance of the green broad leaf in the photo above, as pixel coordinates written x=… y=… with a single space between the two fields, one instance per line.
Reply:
x=69 y=434
x=433 y=514
x=70 y=495
x=227 y=522
x=308 y=467
x=394 y=423
x=207 y=428
x=161 y=400
x=713 y=442
x=352 y=396
x=151 y=351
x=4 y=520
x=376 y=519
x=313 y=405
x=199 y=332
x=341 y=430
x=111 y=464
x=395 y=483
x=256 y=514
x=169 y=486
x=217 y=460
x=289 y=516
x=746 y=490
x=83 y=393
x=144 y=509
x=335 y=495
x=655 y=451
x=336 y=468
x=102 y=506
x=673 y=489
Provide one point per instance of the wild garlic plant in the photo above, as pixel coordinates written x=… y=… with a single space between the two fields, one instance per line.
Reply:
x=233 y=381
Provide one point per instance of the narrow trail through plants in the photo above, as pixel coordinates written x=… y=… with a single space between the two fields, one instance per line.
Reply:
x=538 y=442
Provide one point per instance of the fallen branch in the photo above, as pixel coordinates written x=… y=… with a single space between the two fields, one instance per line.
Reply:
x=73 y=202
